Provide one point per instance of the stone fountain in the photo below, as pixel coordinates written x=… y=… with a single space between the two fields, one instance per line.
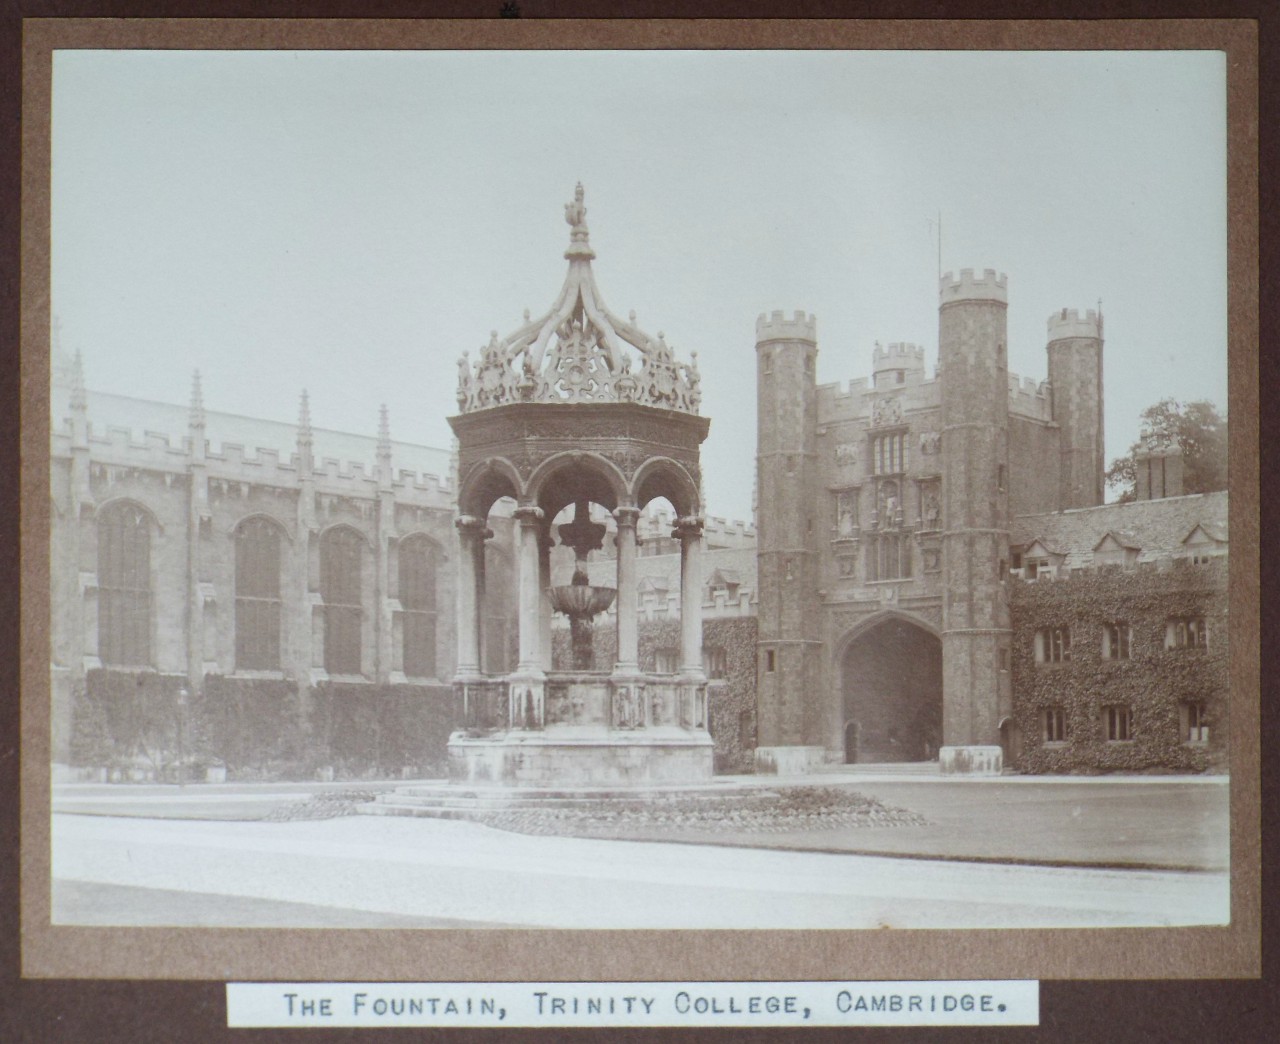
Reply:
x=575 y=408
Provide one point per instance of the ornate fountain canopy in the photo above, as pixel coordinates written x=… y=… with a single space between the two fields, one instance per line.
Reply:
x=579 y=351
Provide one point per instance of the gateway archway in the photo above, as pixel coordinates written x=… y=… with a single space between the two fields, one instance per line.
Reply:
x=891 y=680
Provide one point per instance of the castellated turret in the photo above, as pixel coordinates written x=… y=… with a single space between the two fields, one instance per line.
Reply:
x=898 y=364
x=972 y=339
x=1075 y=380
x=787 y=534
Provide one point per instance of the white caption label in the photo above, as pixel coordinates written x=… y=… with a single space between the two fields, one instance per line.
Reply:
x=893 y=1003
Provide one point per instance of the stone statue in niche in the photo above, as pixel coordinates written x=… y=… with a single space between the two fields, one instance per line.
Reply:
x=932 y=512
x=846 y=514
x=889 y=505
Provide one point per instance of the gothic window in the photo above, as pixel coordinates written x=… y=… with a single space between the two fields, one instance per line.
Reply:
x=258 y=604
x=124 y=586
x=1119 y=723
x=1053 y=645
x=417 y=557
x=341 y=558
x=889 y=454
x=1187 y=633
x=1053 y=721
x=889 y=557
x=1116 y=641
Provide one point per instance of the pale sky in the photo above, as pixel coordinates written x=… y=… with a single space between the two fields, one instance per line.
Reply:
x=350 y=222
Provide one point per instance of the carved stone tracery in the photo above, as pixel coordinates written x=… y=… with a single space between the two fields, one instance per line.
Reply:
x=579 y=351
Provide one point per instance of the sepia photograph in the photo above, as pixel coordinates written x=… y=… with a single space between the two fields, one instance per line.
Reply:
x=639 y=489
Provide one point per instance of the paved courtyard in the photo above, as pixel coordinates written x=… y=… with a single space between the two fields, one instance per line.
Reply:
x=1016 y=852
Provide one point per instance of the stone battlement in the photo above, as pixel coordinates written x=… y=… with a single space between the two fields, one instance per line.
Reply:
x=119 y=446
x=852 y=400
x=661 y=520
x=233 y=461
x=899 y=353
x=989 y=286
x=1029 y=397
x=777 y=327
x=1069 y=323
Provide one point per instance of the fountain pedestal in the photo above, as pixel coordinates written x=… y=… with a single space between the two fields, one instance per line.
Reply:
x=595 y=728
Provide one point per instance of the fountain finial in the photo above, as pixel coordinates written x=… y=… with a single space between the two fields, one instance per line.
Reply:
x=575 y=214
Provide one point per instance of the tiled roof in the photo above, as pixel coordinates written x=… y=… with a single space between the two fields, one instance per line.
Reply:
x=1157 y=527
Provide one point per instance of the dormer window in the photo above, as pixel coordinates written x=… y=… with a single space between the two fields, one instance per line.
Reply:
x=1040 y=562
x=1115 y=549
x=1204 y=543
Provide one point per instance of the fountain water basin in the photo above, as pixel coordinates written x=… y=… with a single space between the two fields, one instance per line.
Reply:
x=580 y=600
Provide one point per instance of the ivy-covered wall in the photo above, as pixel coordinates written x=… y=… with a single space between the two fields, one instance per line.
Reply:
x=731 y=700
x=131 y=724
x=1153 y=682
x=127 y=723
x=381 y=730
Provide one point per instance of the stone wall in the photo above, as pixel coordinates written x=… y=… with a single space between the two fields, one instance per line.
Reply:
x=1033 y=466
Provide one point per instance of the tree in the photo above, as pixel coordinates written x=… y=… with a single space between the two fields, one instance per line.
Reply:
x=1197 y=428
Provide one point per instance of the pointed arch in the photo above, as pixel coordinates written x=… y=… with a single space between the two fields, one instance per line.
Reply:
x=113 y=504
x=870 y=623
x=890 y=671
x=286 y=530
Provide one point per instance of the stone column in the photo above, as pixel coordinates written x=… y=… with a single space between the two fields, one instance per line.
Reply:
x=689 y=532
x=471 y=538
x=628 y=659
x=530 y=591
x=545 y=544
x=692 y=677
